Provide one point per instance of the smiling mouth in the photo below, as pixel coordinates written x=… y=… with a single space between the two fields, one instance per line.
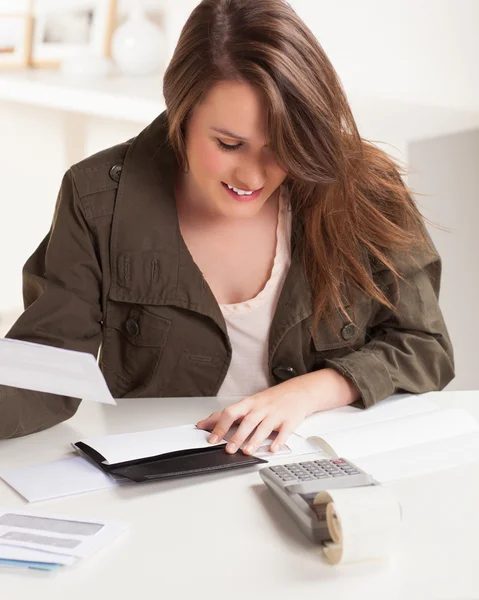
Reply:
x=242 y=197
x=241 y=189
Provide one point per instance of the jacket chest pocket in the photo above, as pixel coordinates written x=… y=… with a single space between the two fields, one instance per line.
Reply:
x=338 y=334
x=133 y=344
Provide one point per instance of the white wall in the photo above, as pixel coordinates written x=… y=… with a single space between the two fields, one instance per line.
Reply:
x=423 y=51
x=446 y=170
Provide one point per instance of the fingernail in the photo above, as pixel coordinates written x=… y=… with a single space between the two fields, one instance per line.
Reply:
x=273 y=448
x=249 y=449
x=231 y=447
x=213 y=438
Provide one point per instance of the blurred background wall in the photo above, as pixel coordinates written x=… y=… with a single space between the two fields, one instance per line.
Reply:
x=409 y=68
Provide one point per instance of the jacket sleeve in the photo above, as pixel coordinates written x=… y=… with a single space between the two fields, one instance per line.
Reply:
x=61 y=291
x=408 y=350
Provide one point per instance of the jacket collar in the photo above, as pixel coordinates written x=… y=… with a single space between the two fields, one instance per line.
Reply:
x=150 y=262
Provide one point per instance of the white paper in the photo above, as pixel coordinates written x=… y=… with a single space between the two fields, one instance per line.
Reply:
x=295 y=446
x=58 y=534
x=58 y=478
x=395 y=407
x=144 y=444
x=124 y=447
x=421 y=459
x=54 y=370
x=16 y=553
x=395 y=434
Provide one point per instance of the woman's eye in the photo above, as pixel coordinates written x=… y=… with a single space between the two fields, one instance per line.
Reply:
x=227 y=147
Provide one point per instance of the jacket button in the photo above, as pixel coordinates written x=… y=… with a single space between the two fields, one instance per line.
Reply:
x=348 y=331
x=285 y=373
x=115 y=172
x=132 y=327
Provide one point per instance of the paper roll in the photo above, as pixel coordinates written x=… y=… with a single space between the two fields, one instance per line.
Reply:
x=363 y=523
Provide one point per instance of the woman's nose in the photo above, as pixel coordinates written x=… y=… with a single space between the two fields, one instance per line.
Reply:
x=251 y=175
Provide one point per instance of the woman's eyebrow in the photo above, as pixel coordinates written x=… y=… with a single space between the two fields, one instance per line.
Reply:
x=229 y=134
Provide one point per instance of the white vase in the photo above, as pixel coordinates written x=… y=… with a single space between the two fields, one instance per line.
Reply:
x=138 y=46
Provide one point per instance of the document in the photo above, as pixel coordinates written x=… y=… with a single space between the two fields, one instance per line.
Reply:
x=58 y=478
x=402 y=436
x=125 y=447
x=54 y=370
x=55 y=534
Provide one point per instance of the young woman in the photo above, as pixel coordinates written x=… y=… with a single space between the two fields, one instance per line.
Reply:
x=247 y=243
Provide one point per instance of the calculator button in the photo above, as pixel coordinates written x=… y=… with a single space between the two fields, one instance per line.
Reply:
x=278 y=469
x=288 y=478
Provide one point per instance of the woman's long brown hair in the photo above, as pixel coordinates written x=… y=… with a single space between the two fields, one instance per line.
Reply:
x=347 y=195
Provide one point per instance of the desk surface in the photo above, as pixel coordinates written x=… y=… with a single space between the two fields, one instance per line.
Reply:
x=226 y=536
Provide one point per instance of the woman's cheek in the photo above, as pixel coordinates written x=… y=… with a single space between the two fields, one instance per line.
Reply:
x=212 y=160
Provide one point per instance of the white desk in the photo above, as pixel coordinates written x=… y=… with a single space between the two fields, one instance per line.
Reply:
x=226 y=536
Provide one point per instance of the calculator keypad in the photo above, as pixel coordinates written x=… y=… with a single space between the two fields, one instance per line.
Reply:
x=314 y=469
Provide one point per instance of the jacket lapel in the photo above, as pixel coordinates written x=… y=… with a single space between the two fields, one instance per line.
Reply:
x=150 y=262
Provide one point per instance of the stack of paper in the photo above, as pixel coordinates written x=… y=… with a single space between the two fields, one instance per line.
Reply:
x=34 y=541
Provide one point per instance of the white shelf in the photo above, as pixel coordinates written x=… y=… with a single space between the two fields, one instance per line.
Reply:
x=138 y=100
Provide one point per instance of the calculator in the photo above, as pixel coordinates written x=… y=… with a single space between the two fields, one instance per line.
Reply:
x=316 y=475
x=296 y=485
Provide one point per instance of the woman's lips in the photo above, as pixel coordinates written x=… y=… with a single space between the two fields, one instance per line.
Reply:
x=244 y=197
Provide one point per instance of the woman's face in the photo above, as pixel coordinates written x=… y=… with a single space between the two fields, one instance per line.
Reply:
x=226 y=144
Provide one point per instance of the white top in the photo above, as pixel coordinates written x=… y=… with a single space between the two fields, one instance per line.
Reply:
x=248 y=323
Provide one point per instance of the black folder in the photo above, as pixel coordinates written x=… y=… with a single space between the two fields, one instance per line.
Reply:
x=180 y=463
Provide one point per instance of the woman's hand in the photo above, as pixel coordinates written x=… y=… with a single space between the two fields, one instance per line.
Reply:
x=281 y=408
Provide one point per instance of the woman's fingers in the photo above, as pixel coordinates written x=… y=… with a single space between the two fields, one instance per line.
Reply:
x=285 y=431
x=227 y=418
x=209 y=422
x=263 y=431
x=247 y=426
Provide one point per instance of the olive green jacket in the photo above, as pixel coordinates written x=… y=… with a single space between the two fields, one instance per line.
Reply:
x=114 y=274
